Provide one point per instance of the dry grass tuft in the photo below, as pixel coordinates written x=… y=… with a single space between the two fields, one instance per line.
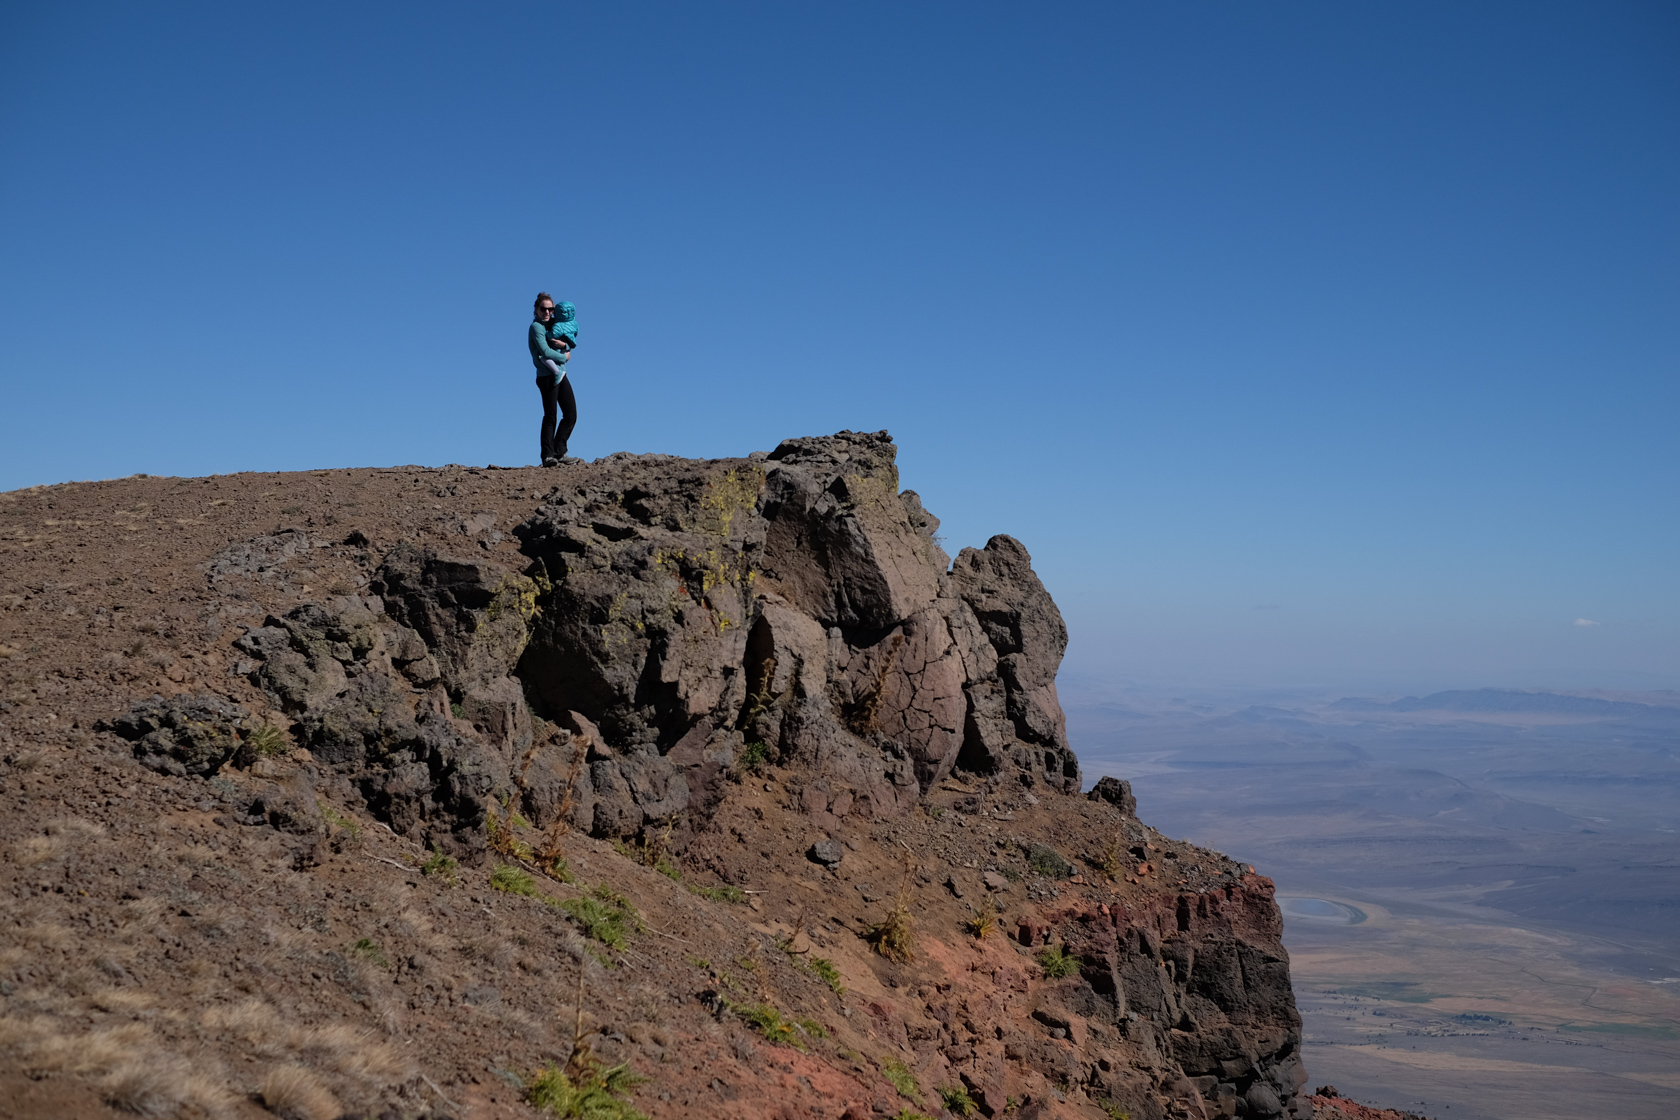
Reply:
x=143 y=1088
x=16 y=1033
x=142 y=915
x=75 y=828
x=894 y=936
x=526 y=1028
x=122 y=1001
x=199 y=856
x=294 y=1093
x=159 y=1085
x=40 y=849
x=350 y=1051
x=1111 y=864
x=39 y=1045
x=253 y=1021
x=490 y=949
x=44 y=935
x=353 y=1052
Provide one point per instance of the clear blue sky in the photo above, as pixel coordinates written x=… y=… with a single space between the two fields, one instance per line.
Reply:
x=1301 y=343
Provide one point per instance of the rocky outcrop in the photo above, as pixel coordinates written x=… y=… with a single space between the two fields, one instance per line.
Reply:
x=370 y=700
x=1201 y=980
x=674 y=612
x=1117 y=793
x=184 y=734
x=797 y=600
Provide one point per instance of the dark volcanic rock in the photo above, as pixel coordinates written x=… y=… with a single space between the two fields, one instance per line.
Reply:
x=338 y=668
x=1205 y=979
x=800 y=601
x=184 y=734
x=829 y=853
x=1015 y=718
x=674 y=611
x=1117 y=793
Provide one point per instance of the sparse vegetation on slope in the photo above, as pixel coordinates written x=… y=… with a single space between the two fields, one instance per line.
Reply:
x=386 y=905
x=1057 y=962
x=595 y=1094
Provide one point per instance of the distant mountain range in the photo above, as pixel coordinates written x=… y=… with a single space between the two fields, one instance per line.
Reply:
x=1494 y=700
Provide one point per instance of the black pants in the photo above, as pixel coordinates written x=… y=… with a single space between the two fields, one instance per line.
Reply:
x=556 y=391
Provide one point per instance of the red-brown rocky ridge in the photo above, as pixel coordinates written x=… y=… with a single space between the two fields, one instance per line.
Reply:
x=325 y=793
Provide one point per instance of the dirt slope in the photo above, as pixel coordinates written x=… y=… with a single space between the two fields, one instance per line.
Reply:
x=301 y=881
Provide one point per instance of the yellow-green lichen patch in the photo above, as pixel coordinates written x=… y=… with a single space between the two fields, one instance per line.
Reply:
x=727 y=495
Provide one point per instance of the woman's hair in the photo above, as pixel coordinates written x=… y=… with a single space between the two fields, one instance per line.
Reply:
x=540 y=297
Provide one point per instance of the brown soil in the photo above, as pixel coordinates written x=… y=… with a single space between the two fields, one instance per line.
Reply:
x=157 y=956
x=1340 y=1108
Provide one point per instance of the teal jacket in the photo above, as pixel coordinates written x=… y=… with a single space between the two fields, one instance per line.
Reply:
x=541 y=351
x=565 y=323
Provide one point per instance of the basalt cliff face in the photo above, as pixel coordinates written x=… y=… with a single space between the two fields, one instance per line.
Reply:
x=364 y=793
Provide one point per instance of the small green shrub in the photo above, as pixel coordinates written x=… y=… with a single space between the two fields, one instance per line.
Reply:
x=1057 y=962
x=440 y=867
x=1113 y=1111
x=512 y=880
x=369 y=950
x=597 y=921
x=608 y=917
x=753 y=756
x=700 y=962
x=830 y=975
x=613 y=898
x=720 y=894
x=906 y=1114
x=268 y=741
x=1048 y=862
x=812 y=1028
x=899 y=1076
x=339 y=820
x=457 y=711
x=957 y=1101
x=559 y=868
x=768 y=1021
x=596 y=1094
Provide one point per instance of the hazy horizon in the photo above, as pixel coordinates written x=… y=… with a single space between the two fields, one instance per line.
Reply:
x=1479 y=900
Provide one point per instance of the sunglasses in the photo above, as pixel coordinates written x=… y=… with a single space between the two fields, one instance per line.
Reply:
x=545 y=311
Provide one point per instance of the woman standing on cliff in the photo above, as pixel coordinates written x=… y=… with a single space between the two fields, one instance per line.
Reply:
x=552 y=335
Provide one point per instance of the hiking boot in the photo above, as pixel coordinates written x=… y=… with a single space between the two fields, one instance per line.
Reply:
x=551 y=461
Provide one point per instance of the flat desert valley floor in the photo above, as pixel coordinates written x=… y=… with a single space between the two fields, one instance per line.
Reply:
x=1481 y=889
